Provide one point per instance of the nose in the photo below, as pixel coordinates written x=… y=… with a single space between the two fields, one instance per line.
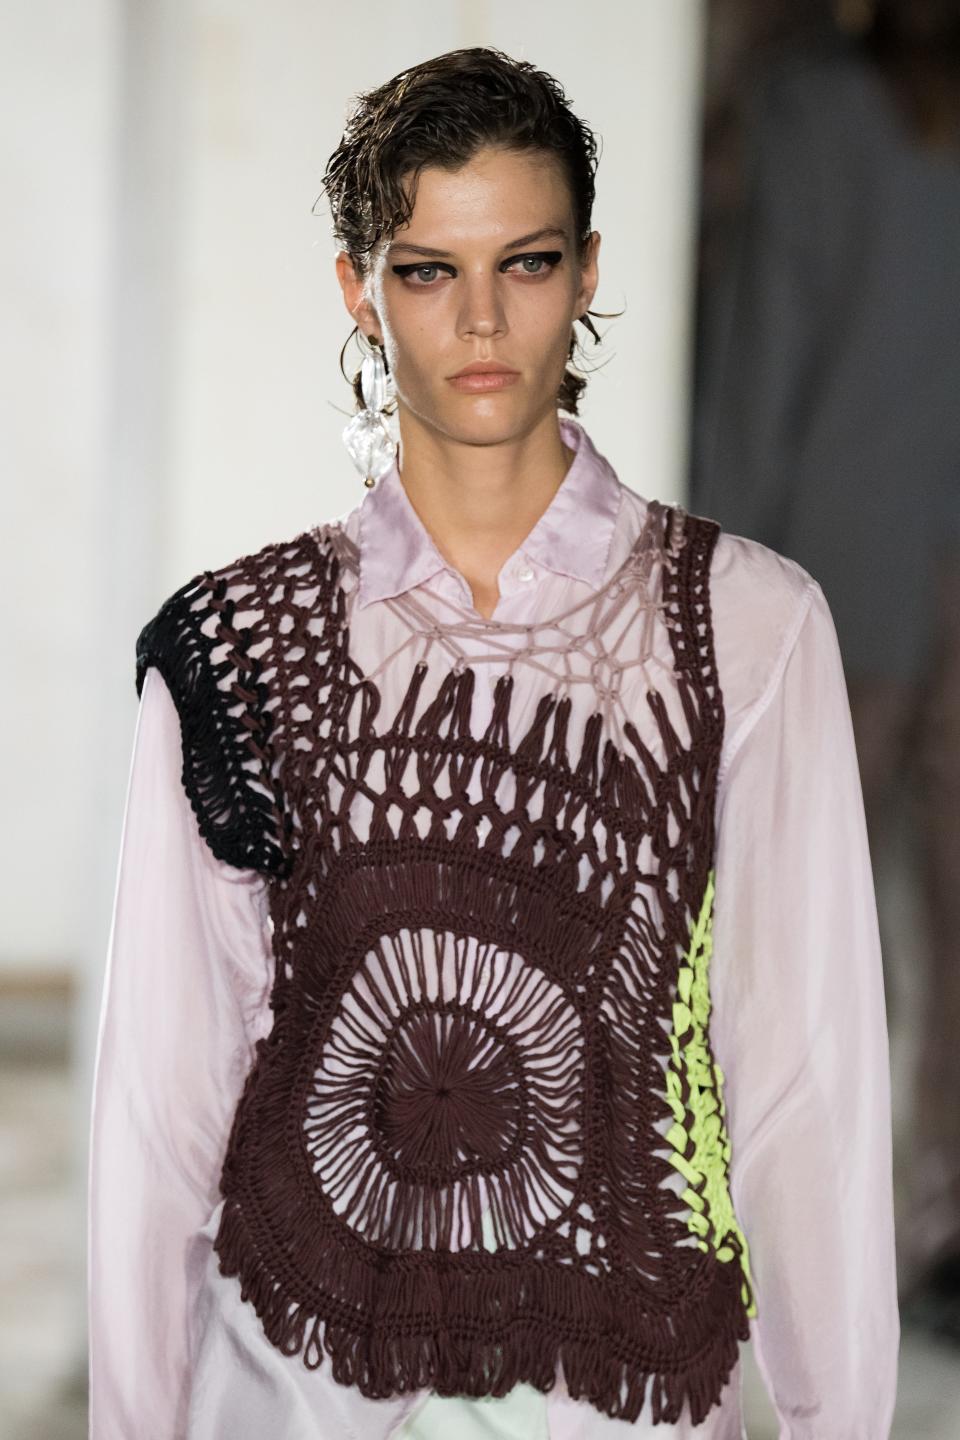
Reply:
x=481 y=311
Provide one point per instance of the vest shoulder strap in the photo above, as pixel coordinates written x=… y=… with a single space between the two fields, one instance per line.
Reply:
x=689 y=543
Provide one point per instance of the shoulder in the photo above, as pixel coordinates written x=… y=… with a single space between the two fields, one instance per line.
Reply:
x=271 y=569
x=759 y=602
x=233 y=604
x=217 y=641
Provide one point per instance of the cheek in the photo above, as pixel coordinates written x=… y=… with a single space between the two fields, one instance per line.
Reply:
x=546 y=318
x=403 y=336
x=419 y=368
x=410 y=343
x=547 y=340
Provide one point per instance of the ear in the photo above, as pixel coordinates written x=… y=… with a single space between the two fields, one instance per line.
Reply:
x=589 y=274
x=354 y=296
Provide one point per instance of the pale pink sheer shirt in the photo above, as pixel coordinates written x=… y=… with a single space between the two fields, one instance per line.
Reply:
x=798 y=1027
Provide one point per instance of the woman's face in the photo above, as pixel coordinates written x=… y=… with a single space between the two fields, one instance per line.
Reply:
x=486 y=269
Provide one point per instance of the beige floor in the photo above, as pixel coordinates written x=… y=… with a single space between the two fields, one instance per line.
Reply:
x=41 y=1394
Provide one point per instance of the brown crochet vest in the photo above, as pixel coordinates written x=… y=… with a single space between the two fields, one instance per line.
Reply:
x=447 y=1165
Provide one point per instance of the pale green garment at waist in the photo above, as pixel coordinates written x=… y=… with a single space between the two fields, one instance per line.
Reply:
x=520 y=1415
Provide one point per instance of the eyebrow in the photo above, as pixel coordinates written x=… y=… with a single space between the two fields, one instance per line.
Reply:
x=549 y=232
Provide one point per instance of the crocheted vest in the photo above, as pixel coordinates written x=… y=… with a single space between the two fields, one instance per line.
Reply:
x=485 y=1134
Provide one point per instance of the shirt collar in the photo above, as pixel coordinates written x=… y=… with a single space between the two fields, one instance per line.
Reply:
x=571 y=537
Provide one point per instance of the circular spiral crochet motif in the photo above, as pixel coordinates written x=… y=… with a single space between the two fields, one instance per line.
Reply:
x=447 y=1092
x=449 y=1084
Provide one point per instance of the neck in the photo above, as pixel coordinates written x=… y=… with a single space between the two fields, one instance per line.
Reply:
x=478 y=502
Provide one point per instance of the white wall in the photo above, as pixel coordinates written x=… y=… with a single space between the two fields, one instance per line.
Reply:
x=57 y=135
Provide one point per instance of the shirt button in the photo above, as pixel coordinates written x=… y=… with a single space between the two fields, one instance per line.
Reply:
x=525 y=574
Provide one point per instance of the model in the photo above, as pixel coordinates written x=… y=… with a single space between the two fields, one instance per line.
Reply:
x=493 y=1034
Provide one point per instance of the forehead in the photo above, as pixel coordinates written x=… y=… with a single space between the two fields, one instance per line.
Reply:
x=496 y=195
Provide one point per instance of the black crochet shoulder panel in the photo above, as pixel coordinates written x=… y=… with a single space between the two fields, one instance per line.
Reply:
x=210 y=641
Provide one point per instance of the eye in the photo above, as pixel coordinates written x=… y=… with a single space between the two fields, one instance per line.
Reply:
x=540 y=263
x=425 y=273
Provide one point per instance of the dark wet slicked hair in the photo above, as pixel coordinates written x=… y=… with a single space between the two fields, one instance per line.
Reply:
x=441 y=113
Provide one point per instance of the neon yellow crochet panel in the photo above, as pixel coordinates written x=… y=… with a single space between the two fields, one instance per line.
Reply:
x=698 y=1135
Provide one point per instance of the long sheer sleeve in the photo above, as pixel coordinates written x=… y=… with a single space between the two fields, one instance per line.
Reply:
x=184 y=1000
x=799 y=1029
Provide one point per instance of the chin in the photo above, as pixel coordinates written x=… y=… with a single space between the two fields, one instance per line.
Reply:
x=488 y=430
x=489 y=420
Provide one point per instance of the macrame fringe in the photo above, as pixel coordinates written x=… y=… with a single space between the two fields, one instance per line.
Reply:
x=445 y=1345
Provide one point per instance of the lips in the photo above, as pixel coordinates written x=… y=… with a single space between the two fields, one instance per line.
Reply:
x=483 y=375
x=484 y=367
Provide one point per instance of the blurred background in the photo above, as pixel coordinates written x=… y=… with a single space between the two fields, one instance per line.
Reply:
x=779 y=196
